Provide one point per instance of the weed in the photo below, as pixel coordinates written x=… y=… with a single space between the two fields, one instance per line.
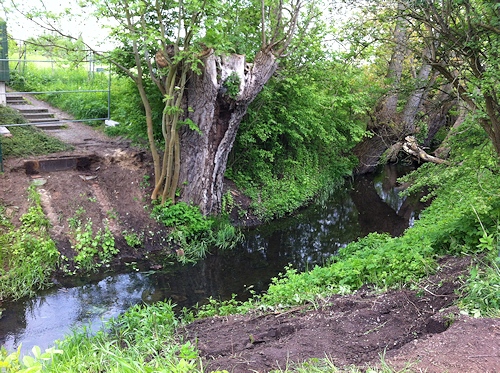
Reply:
x=26 y=140
x=112 y=214
x=193 y=232
x=28 y=256
x=145 y=182
x=93 y=250
x=133 y=239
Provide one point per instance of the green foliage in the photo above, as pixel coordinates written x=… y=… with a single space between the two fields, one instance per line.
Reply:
x=140 y=340
x=28 y=256
x=232 y=85
x=482 y=290
x=46 y=78
x=326 y=365
x=10 y=116
x=463 y=218
x=26 y=140
x=194 y=233
x=128 y=109
x=12 y=363
x=133 y=239
x=215 y=307
x=92 y=250
x=294 y=140
x=185 y=218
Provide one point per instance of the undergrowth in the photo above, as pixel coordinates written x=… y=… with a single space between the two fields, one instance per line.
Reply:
x=28 y=256
x=463 y=219
x=194 y=233
x=141 y=340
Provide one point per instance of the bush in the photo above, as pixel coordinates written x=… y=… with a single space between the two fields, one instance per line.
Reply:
x=194 y=233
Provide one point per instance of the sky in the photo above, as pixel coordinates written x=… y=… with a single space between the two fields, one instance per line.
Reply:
x=20 y=28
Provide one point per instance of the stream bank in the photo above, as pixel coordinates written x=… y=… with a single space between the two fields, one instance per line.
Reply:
x=303 y=240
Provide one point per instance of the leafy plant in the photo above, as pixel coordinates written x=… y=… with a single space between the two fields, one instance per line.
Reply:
x=141 y=340
x=193 y=232
x=133 y=239
x=93 y=250
x=232 y=85
x=12 y=363
x=28 y=256
x=294 y=141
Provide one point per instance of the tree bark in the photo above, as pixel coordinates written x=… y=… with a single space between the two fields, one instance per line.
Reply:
x=387 y=109
x=411 y=147
x=218 y=115
x=415 y=100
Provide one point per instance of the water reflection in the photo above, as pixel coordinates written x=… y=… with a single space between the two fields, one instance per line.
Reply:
x=364 y=205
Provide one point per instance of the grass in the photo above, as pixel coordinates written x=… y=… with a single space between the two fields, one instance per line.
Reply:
x=26 y=140
x=28 y=256
x=82 y=105
x=141 y=340
x=326 y=365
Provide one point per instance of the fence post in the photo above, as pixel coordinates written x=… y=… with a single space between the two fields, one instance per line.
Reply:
x=4 y=61
x=1 y=158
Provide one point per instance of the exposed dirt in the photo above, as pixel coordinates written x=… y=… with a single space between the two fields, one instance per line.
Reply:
x=109 y=185
x=409 y=326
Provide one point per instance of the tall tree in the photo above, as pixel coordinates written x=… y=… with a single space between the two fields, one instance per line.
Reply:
x=209 y=60
x=464 y=40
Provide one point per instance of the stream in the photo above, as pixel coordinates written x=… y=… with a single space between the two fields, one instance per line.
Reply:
x=369 y=203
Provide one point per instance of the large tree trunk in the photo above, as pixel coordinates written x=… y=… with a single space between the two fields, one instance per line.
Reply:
x=218 y=115
x=387 y=109
x=415 y=100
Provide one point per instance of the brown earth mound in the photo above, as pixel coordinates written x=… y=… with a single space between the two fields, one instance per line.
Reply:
x=405 y=326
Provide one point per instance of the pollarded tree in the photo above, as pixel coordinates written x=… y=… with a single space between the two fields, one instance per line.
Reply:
x=209 y=59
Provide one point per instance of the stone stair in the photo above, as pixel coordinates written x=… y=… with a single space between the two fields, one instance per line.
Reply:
x=39 y=117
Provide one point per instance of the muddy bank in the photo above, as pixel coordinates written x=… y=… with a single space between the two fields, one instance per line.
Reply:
x=356 y=330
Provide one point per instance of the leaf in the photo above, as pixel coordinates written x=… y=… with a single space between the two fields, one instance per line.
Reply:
x=29 y=361
x=36 y=351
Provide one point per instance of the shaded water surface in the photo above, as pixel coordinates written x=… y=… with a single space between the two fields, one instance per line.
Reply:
x=365 y=204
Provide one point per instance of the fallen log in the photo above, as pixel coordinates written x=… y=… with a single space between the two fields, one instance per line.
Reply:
x=411 y=147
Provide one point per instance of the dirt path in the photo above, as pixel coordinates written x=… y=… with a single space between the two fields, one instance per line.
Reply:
x=110 y=190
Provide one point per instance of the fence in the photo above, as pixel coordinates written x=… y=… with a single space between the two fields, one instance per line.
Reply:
x=52 y=70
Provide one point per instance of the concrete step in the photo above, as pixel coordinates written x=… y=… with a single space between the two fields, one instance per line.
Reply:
x=28 y=109
x=50 y=126
x=14 y=97
x=35 y=116
x=42 y=120
x=81 y=163
x=17 y=102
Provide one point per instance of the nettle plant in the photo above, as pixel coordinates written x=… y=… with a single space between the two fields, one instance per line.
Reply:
x=93 y=250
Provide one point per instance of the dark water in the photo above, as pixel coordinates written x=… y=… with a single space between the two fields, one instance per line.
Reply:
x=365 y=204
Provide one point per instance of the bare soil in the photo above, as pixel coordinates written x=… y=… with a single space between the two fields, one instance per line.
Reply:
x=420 y=327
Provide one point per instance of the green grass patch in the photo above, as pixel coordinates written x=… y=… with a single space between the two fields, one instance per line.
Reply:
x=26 y=140
x=141 y=340
x=29 y=141
x=28 y=256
